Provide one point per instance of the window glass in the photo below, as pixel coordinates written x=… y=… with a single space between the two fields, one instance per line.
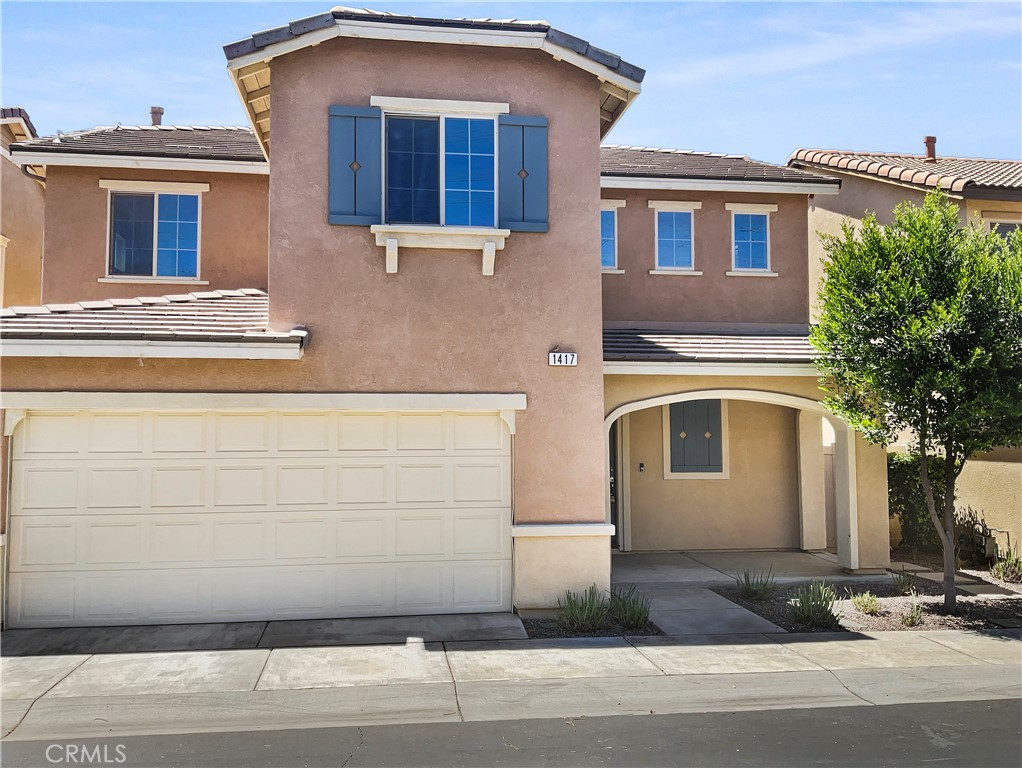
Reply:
x=177 y=235
x=413 y=170
x=468 y=172
x=608 y=235
x=674 y=240
x=131 y=234
x=751 y=241
x=1005 y=228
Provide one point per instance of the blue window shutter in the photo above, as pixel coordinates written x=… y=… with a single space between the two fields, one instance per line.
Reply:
x=355 y=166
x=523 y=173
x=695 y=452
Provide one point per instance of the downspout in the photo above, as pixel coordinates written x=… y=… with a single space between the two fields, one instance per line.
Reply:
x=33 y=176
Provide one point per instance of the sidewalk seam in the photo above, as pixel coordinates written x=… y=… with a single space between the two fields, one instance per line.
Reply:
x=957 y=650
x=58 y=682
x=647 y=658
x=454 y=682
x=259 y=677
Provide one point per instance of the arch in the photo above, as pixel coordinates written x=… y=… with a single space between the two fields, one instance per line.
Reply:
x=846 y=501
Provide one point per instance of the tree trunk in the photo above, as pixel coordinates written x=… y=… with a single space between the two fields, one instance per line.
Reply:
x=950 y=544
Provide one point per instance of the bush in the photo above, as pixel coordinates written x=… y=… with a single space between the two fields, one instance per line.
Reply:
x=814 y=605
x=1008 y=566
x=583 y=611
x=866 y=602
x=629 y=608
x=914 y=617
x=904 y=584
x=756 y=585
x=907 y=500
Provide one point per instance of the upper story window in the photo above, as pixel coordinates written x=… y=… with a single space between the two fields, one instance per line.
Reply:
x=750 y=239
x=675 y=236
x=153 y=229
x=608 y=234
x=417 y=171
x=434 y=173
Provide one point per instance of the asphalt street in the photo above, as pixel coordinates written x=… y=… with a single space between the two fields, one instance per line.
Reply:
x=975 y=734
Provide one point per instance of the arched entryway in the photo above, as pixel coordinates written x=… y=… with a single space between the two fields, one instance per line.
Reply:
x=803 y=435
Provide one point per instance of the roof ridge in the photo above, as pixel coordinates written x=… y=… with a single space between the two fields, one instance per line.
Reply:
x=909 y=155
x=670 y=151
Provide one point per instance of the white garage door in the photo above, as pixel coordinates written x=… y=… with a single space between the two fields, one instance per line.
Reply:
x=166 y=517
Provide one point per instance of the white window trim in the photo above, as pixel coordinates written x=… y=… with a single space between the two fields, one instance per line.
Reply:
x=611 y=205
x=758 y=208
x=673 y=206
x=725 y=457
x=155 y=188
x=991 y=218
x=439 y=106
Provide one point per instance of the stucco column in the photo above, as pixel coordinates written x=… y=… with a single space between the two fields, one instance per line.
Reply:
x=812 y=491
x=845 y=497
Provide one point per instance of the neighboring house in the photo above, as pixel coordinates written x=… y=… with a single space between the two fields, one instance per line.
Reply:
x=21 y=216
x=987 y=191
x=428 y=412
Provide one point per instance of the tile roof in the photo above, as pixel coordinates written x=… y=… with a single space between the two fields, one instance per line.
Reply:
x=652 y=162
x=261 y=40
x=19 y=113
x=213 y=316
x=669 y=347
x=235 y=143
x=952 y=174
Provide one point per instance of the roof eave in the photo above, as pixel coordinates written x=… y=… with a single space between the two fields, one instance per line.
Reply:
x=703 y=184
x=33 y=157
x=15 y=346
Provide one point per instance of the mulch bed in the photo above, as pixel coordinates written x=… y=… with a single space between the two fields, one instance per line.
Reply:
x=549 y=628
x=973 y=612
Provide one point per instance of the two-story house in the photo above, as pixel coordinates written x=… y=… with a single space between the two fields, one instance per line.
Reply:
x=427 y=410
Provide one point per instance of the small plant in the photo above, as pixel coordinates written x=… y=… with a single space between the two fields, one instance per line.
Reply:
x=914 y=616
x=903 y=582
x=756 y=585
x=629 y=607
x=583 y=611
x=1008 y=566
x=865 y=602
x=814 y=605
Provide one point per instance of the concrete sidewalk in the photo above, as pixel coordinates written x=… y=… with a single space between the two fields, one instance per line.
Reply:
x=123 y=694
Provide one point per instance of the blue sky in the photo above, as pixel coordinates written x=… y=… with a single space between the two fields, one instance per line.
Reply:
x=755 y=78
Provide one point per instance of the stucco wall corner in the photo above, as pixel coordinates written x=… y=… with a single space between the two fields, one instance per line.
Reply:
x=544 y=568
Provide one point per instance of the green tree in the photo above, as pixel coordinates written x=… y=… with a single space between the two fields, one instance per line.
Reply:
x=920 y=330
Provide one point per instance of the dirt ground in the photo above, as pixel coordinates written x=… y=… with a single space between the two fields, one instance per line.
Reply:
x=973 y=612
x=550 y=628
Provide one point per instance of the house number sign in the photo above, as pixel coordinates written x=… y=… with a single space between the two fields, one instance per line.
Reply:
x=562 y=358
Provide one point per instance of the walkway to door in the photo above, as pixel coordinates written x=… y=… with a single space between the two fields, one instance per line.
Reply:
x=678 y=583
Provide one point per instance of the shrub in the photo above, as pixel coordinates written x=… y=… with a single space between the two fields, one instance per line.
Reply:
x=756 y=585
x=907 y=500
x=865 y=602
x=583 y=611
x=914 y=616
x=814 y=605
x=1008 y=566
x=904 y=584
x=629 y=608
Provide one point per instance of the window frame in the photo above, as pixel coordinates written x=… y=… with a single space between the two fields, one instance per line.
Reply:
x=992 y=218
x=611 y=205
x=725 y=454
x=439 y=109
x=673 y=206
x=154 y=188
x=760 y=209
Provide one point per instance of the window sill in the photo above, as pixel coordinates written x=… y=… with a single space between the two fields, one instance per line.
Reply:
x=487 y=240
x=686 y=272
x=751 y=273
x=607 y=271
x=696 y=475
x=132 y=280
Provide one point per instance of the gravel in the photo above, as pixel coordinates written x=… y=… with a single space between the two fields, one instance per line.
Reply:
x=973 y=612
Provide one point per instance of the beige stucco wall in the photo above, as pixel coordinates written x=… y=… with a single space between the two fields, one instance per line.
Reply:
x=756 y=507
x=713 y=296
x=233 y=237
x=870 y=461
x=992 y=485
x=439 y=325
x=22 y=207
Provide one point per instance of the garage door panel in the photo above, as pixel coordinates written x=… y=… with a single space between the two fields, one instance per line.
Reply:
x=136 y=518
